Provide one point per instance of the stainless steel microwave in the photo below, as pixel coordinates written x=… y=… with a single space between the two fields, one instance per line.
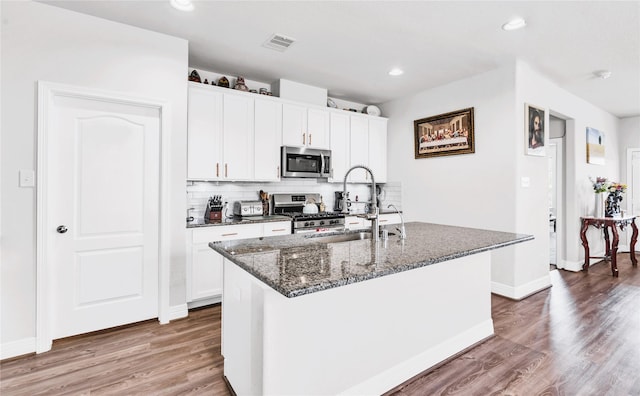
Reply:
x=305 y=162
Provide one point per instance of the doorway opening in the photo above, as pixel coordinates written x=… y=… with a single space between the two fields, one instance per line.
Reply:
x=555 y=154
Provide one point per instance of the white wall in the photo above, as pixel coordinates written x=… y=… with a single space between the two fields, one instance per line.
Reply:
x=485 y=189
x=580 y=199
x=471 y=190
x=41 y=42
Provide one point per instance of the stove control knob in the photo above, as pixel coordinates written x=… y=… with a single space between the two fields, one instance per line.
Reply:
x=306 y=224
x=322 y=222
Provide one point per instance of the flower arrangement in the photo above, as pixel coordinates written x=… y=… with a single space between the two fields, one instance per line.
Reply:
x=600 y=185
x=617 y=188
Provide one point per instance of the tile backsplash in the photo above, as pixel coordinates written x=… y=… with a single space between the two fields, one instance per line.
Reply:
x=198 y=193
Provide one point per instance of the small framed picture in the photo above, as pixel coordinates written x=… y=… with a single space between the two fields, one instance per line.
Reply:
x=535 y=133
x=595 y=146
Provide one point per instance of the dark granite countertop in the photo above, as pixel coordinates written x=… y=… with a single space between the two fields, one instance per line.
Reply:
x=237 y=220
x=300 y=264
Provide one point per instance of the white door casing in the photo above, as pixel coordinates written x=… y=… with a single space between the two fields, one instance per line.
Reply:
x=102 y=174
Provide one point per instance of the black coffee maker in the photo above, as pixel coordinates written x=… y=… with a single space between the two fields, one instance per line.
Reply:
x=337 y=201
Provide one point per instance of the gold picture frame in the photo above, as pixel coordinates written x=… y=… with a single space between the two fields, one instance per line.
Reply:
x=444 y=134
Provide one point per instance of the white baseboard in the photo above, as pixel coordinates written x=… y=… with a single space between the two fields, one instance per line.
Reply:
x=17 y=348
x=404 y=371
x=178 y=312
x=204 y=301
x=522 y=291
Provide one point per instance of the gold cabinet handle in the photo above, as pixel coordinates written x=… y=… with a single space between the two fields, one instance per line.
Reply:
x=304 y=138
x=277 y=172
x=230 y=234
x=310 y=139
x=226 y=170
x=278 y=229
x=217 y=169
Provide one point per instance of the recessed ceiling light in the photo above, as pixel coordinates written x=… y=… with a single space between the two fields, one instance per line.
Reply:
x=182 y=5
x=603 y=74
x=396 y=72
x=514 y=24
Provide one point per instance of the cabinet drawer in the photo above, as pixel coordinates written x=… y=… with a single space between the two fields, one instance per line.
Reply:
x=227 y=233
x=389 y=218
x=276 y=228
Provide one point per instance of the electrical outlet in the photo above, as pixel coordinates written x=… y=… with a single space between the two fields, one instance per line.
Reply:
x=27 y=178
x=525 y=181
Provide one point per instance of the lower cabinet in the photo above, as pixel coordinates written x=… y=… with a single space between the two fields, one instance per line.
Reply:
x=204 y=266
x=358 y=223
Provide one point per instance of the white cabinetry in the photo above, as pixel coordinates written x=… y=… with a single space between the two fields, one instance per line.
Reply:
x=237 y=139
x=358 y=140
x=359 y=223
x=304 y=126
x=268 y=134
x=232 y=135
x=339 y=126
x=378 y=148
x=204 y=266
x=359 y=148
x=204 y=139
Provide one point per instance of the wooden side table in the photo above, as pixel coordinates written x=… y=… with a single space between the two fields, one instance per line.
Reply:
x=611 y=249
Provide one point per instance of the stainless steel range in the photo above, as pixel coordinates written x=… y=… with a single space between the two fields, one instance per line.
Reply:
x=305 y=215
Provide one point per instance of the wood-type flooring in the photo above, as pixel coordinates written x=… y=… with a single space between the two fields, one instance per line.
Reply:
x=580 y=337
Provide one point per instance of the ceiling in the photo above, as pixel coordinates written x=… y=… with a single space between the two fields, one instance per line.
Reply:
x=348 y=47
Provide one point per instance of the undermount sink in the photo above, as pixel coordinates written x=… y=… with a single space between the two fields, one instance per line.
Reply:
x=355 y=236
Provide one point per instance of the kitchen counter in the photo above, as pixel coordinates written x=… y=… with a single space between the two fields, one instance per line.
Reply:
x=319 y=316
x=236 y=220
x=295 y=271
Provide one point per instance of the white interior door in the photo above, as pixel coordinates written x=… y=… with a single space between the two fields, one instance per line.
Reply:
x=102 y=212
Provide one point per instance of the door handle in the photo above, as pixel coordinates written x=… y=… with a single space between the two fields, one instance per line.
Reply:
x=61 y=229
x=304 y=137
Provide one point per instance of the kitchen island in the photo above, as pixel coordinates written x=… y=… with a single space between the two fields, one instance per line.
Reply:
x=343 y=314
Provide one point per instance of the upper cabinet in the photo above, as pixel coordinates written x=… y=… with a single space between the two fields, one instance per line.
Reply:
x=340 y=156
x=204 y=138
x=358 y=140
x=378 y=148
x=268 y=134
x=232 y=135
x=236 y=136
x=304 y=126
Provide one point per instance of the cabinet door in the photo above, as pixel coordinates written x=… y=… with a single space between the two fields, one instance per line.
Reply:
x=318 y=128
x=238 y=137
x=359 y=148
x=294 y=125
x=267 y=135
x=206 y=272
x=339 y=127
x=204 y=137
x=378 y=148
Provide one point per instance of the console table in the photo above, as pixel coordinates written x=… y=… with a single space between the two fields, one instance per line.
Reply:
x=611 y=249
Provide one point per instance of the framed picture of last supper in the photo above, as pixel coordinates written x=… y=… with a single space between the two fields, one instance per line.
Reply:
x=444 y=134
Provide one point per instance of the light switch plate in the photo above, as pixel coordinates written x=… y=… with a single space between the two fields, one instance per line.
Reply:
x=525 y=181
x=27 y=178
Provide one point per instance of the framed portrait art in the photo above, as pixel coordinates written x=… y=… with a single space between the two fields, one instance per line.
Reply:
x=595 y=146
x=534 y=130
x=444 y=134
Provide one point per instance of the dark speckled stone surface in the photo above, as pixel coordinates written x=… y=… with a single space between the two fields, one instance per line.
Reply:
x=236 y=220
x=295 y=265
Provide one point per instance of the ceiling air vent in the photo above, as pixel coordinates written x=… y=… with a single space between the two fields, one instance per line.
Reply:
x=279 y=42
